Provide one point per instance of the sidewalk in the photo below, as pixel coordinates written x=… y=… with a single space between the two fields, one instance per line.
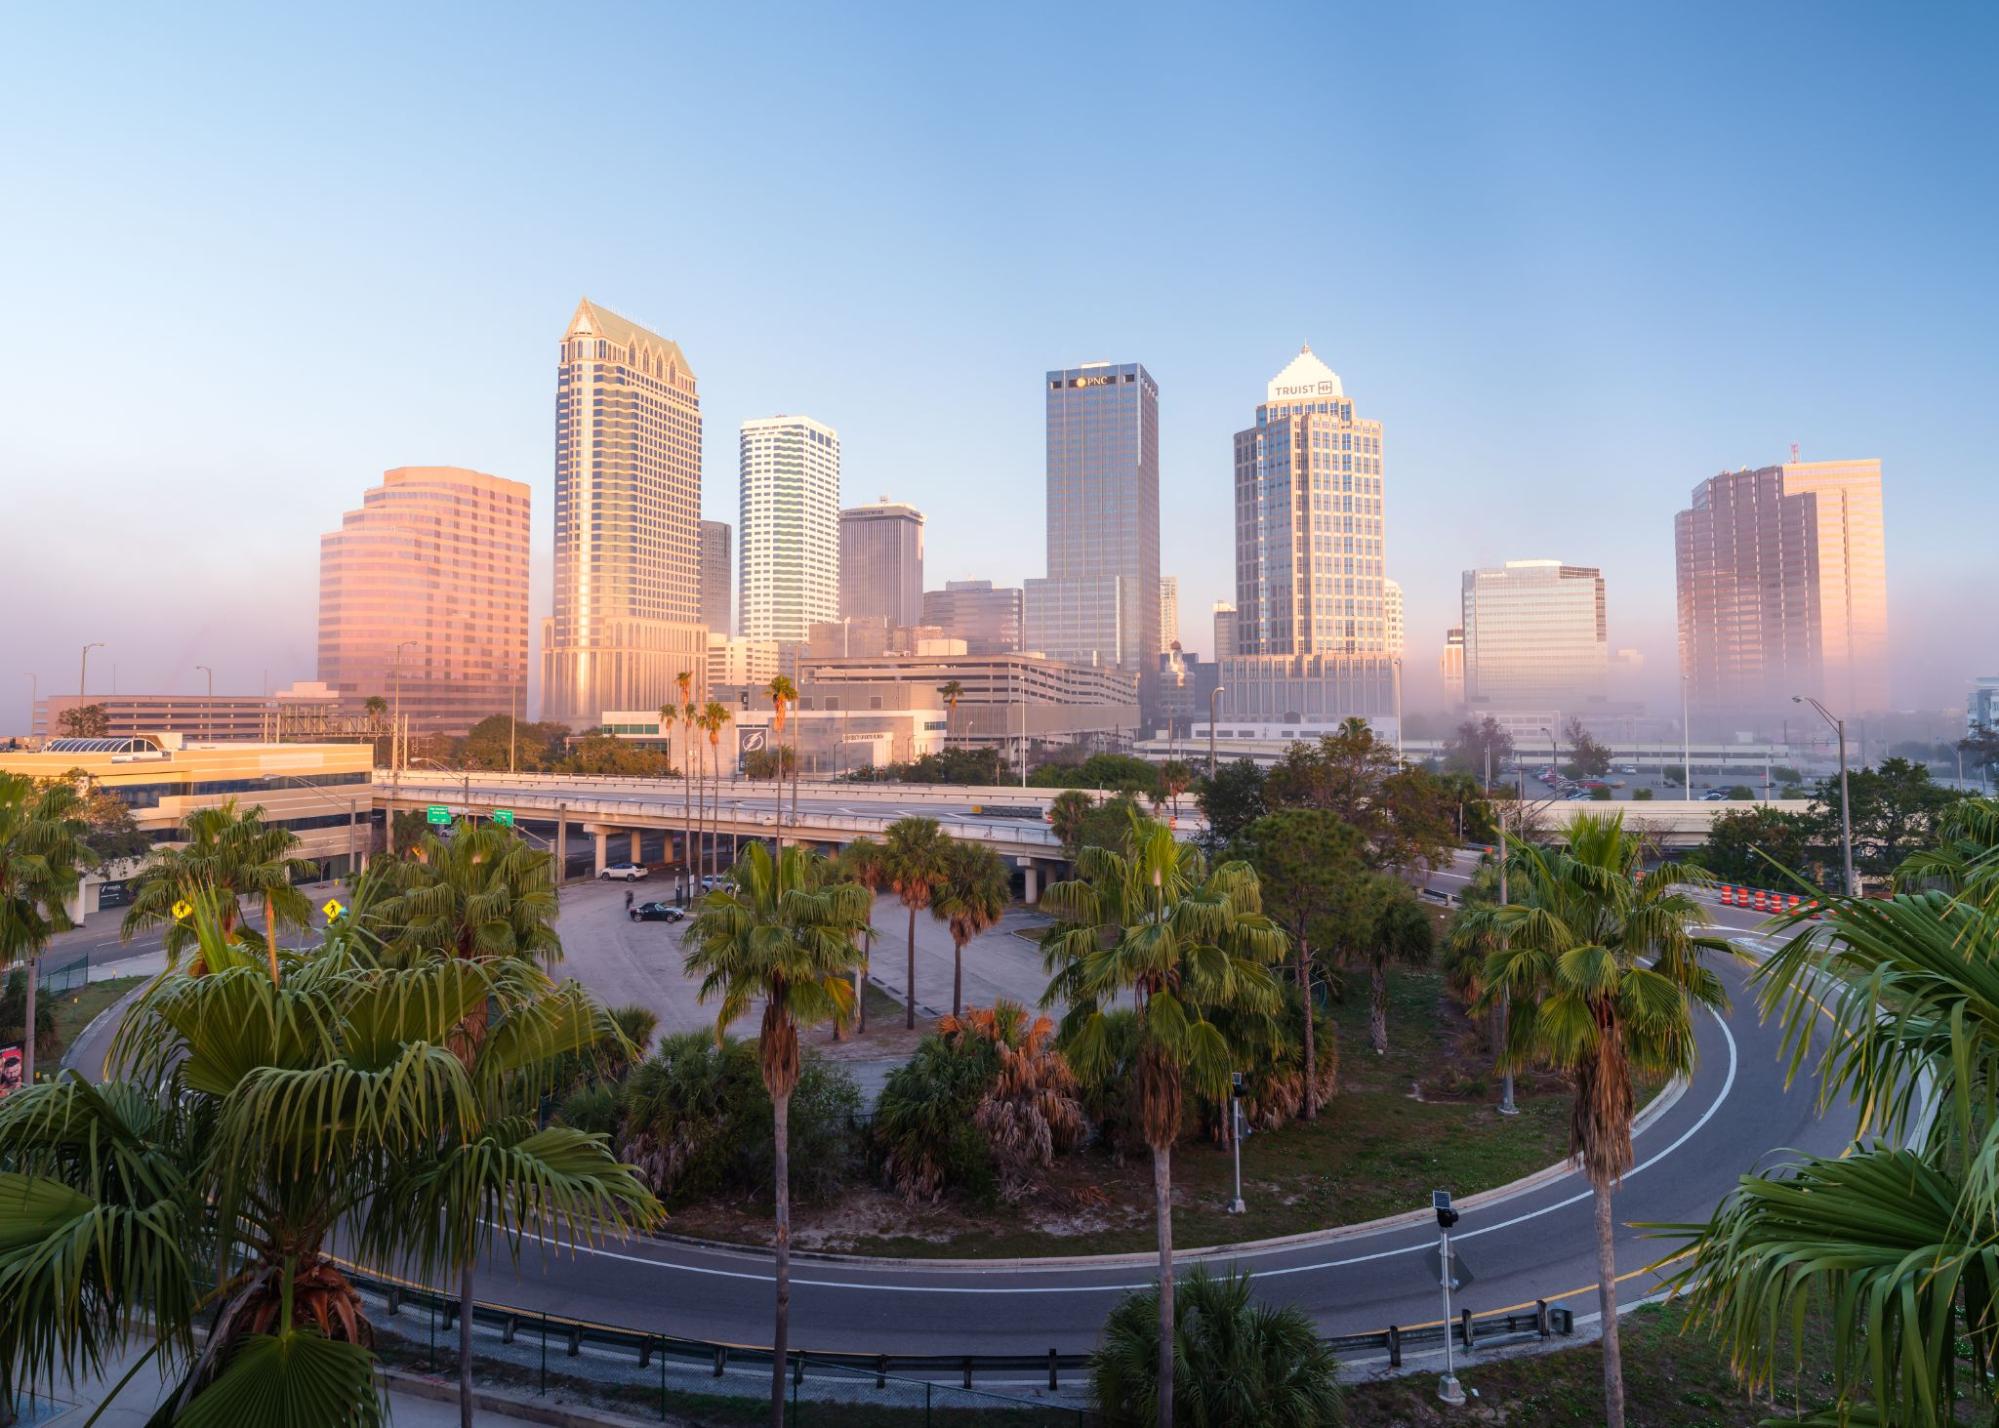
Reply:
x=135 y=1404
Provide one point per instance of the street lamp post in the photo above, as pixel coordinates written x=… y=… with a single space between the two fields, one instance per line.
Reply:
x=1554 y=752
x=396 y=752
x=1845 y=802
x=1506 y=1105
x=1686 y=741
x=1213 y=694
x=83 y=668
x=1236 y=1206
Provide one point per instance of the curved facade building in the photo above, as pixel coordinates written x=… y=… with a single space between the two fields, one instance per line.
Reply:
x=437 y=556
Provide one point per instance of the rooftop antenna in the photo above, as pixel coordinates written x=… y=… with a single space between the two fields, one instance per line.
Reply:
x=1794 y=453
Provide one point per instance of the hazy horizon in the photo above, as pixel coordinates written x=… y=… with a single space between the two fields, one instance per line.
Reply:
x=1575 y=262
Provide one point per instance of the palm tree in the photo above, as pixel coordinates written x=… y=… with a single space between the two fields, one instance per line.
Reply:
x=1238 y=1362
x=1398 y=931
x=864 y=861
x=714 y=719
x=914 y=855
x=42 y=857
x=971 y=896
x=238 y=855
x=257 y=1122
x=782 y=933
x=952 y=690
x=684 y=712
x=1175 y=778
x=782 y=694
x=1154 y=923
x=1894 y=1236
x=1068 y=811
x=484 y=894
x=1603 y=976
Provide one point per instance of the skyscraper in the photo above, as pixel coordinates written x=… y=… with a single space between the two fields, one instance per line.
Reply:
x=1224 y=629
x=1169 y=611
x=986 y=618
x=627 y=613
x=1099 y=603
x=718 y=577
x=1311 y=625
x=1452 y=667
x=790 y=527
x=1535 y=637
x=435 y=559
x=1783 y=589
x=881 y=563
x=1391 y=617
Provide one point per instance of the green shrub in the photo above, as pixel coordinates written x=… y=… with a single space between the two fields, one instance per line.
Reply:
x=697 y=1122
x=923 y=1125
x=1234 y=1361
x=591 y=1108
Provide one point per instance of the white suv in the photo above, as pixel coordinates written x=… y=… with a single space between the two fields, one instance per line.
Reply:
x=630 y=872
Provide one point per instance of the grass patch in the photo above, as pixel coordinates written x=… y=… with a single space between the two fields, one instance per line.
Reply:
x=1378 y=1148
x=1672 y=1379
x=76 y=1010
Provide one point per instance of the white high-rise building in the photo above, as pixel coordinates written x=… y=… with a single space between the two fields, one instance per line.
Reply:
x=789 y=531
x=1169 y=611
x=1391 y=616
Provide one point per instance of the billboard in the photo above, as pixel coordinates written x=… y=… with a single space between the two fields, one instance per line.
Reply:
x=10 y=1069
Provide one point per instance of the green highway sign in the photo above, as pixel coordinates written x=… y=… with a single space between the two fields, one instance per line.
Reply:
x=504 y=817
x=439 y=813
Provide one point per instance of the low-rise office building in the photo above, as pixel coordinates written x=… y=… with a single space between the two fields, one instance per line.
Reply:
x=323 y=793
x=1003 y=698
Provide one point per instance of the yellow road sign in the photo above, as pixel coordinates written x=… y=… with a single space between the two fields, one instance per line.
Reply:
x=182 y=909
x=333 y=909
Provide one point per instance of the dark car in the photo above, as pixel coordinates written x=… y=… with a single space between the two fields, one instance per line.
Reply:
x=656 y=912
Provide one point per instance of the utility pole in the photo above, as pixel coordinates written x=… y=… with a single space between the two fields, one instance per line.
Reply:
x=83 y=668
x=1506 y=1106
x=1212 y=695
x=1450 y=1391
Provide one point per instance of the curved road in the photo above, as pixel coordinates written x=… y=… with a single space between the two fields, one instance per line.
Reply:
x=1734 y=1115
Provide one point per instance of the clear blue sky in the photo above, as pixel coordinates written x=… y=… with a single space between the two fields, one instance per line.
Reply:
x=1576 y=259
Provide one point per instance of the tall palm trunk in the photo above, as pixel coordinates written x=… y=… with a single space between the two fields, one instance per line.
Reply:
x=781 y=1331
x=1377 y=1008
x=957 y=975
x=271 y=936
x=1606 y=1298
x=1311 y=1048
x=861 y=972
x=686 y=816
x=465 y=1348
x=910 y=1022
x=28 y=1024
x=1162 y=1205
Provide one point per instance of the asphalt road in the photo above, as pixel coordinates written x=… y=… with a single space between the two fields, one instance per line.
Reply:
x=1733 y=1116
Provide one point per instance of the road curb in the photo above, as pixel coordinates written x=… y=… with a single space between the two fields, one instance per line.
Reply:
x=1653 y=1110
x=557 y=1415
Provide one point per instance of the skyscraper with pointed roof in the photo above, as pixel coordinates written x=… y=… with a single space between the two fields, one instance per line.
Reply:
x=1313 y=634
x=627 y=613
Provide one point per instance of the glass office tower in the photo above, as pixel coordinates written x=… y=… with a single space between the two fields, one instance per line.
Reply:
x=1099 y=603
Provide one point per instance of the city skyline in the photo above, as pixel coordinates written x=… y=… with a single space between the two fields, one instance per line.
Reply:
x=1570 y=303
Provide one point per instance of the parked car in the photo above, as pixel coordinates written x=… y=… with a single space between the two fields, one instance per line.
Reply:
x=657 y=912
x=711 y=881
x=629 y=872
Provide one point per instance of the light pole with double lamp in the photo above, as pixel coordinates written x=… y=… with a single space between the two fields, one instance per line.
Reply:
x=1845 y=802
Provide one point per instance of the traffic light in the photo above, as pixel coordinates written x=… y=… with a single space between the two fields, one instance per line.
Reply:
x=1440 y=1201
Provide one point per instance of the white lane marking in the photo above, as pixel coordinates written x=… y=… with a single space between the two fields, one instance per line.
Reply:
x=1728 y=1084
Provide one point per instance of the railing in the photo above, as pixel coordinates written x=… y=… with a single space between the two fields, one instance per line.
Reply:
x=636 y=1367
x=669 y=814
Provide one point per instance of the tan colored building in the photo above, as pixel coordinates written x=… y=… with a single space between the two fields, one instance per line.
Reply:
x=193 y=716
x=881 y=563
x=1535 y=637
x=322 y=792
x=1452 y=667
x=628 y=607
x=423 y=597
x=735 y=662
x=1169 y=612
x=1782 y=588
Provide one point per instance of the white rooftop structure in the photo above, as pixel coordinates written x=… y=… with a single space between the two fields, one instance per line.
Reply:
x=1305 y=376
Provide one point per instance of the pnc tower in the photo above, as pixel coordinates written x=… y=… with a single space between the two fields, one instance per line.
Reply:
x=789 y=533
x=627 y=611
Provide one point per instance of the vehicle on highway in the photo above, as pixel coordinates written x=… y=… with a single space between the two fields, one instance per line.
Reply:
x=629 y=872
x=657 y=912
x=1715 y=795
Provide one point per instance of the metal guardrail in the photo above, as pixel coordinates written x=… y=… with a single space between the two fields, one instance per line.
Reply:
x=930 y=1381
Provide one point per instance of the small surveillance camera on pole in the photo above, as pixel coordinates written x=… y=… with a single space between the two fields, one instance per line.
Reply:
x=1236 y=1206
x=1440 y=1200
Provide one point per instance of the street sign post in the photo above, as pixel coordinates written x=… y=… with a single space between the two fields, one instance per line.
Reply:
x=504 y=817
x=333 y=909
x=1450 y=1391
x=438 y=813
